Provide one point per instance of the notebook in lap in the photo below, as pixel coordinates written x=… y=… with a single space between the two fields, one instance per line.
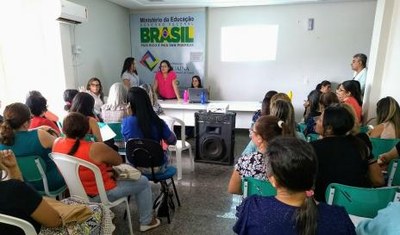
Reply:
x=195 y=95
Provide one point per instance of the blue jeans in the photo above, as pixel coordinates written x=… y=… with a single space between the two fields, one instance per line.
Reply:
x=141 y=189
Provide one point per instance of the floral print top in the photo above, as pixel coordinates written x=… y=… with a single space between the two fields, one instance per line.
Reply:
x=252 y=165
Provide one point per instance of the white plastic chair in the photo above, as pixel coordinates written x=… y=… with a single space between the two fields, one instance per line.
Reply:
x=69 y=168
x=17 y=222
x=180 y=145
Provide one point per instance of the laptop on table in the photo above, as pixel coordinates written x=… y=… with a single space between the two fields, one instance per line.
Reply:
x=195 y=95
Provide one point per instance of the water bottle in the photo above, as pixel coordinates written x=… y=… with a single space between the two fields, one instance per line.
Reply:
x=186 y=96
x=202 y=98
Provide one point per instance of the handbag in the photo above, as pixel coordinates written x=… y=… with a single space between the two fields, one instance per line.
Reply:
x=126 y=172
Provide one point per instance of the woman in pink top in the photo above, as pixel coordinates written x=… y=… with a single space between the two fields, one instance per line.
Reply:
x=165 y=83
x=349 y=92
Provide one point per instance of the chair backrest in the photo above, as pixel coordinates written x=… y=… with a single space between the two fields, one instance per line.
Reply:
x=69 y=168
x=380 y=146
x=33 y=169
x=116 y=127
x=144 y=153
x=394 y=173
x=364 y=202
x=170 y=121
x=20 y=223
x=251 y=186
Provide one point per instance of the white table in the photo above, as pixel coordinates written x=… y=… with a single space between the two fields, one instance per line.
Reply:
x=185 y=111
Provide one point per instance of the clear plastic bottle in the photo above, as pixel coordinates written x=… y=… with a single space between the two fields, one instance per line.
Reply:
x=186 y=96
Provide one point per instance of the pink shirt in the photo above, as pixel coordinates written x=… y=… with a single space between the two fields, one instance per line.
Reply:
x=165 y=87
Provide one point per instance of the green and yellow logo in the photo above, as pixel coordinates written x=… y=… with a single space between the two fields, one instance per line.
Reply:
x=167 y=34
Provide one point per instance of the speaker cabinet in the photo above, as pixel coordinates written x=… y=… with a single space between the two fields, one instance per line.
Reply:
x=215 y=137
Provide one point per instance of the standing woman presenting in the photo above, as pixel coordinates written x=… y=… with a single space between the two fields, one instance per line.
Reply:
x=129 y=74
x=165 y=83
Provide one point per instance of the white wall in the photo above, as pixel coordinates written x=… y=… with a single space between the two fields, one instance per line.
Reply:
x=105 y=43
x=304 y=58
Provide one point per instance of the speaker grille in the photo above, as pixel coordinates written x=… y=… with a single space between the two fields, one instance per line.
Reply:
x=215 y=137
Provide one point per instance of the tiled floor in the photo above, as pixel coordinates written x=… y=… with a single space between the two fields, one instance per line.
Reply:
x=206 y=207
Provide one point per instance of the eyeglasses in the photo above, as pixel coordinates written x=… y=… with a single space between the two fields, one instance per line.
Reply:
x=95 y=84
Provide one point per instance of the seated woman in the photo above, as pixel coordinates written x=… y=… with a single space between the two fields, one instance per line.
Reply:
x=144 y=122
x=48 y=114
x=95 y=89
x=84 y=103
x=265 y=104
x=75 y=127
x=387 y=119
x=292 y=170
x=116 y=107
x=253 y=165
x=196 y=82
x=15 y=135
x=324 y=86
x=20 y=200
x=342 y=157
x=349 y=92
x=313 y=111
x=38 y=107
x=68 y=96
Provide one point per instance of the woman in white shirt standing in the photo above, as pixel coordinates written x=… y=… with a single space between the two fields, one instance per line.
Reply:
x=129 y=73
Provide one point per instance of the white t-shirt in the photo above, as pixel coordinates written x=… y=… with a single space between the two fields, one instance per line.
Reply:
x=132 y=77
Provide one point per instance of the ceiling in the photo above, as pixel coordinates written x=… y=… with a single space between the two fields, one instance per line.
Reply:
x=157 y=4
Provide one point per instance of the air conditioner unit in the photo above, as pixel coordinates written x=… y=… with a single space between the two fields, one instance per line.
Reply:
x=72 y=12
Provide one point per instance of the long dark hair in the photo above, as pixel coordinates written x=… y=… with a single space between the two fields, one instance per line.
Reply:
x=68 y=96
x=75 y=126
x=354 y=88
x=293 y=164
x=127 y=64
x=141 y=107
x=168 y=64
x=313 y=99
x=83 y=103
x=198 y=79
x=266 y=103
x=388 y=110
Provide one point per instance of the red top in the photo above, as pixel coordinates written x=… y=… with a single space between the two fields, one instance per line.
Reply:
x=37 y=121
x=64 y=145
x=165 y=87
x=356 y=107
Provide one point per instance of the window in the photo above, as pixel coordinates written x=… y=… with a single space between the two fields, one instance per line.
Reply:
x=249 y=43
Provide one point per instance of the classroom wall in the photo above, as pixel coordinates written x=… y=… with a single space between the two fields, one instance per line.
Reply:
x=104 y=41
x=304 y=58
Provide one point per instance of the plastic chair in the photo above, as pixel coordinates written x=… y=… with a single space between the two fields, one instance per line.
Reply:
x=380 y=146
x=33 y=169
x=180 y=145
x=69 y=168
x=252 y=186
x=146 y=153
x=364 y=202
x=394 y=174
x=119 y=139
x=17 y=222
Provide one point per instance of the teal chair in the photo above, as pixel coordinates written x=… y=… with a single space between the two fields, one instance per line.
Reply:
x=364 y=129
x=380 y=146
x=312 y=137
x=252 y=186
x=33 y=169
x=118 y=139
x=363 y=202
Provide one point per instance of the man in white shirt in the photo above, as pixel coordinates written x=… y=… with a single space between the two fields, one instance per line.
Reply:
x=359 y=64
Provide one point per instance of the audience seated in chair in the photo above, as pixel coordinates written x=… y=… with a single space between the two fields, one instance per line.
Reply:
x=116 y=107
x=144 y=123
x=15 y=135
x=264 y=130
x=38 y=106
x=388 y=119
x=22 y=201
x=342 y=157
x=48 y=114
x=292 y=170
x=75 y=127
x=386 y=222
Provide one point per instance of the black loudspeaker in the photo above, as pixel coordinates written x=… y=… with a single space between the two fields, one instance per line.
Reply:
x=215 y=137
